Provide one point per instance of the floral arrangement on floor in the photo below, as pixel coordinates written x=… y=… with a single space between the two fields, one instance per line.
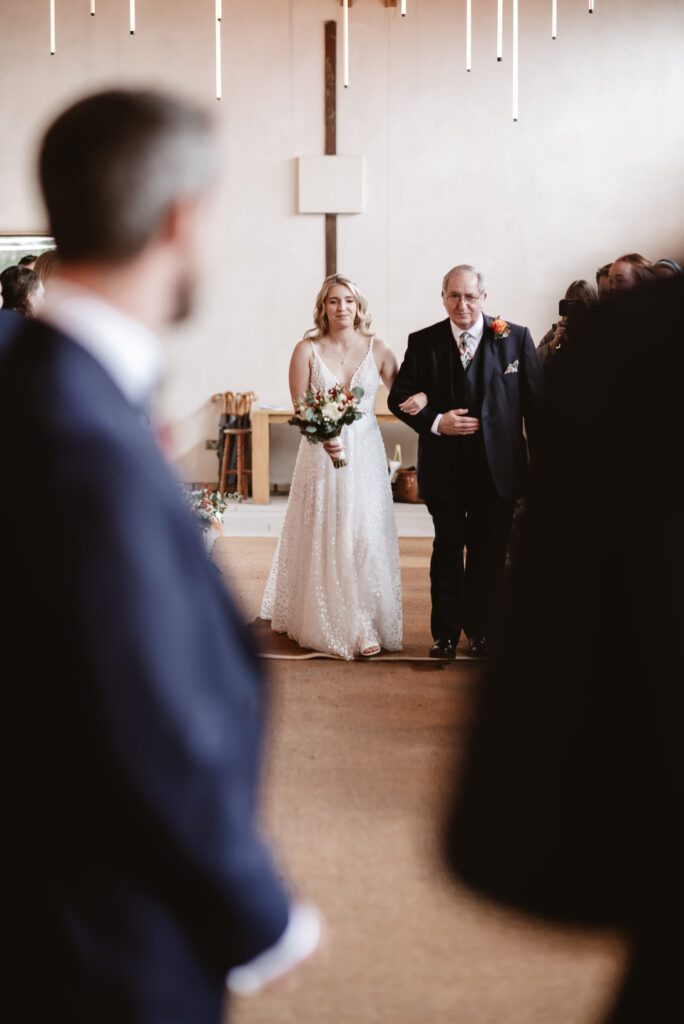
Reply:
x=208 y=506
x=320 y=415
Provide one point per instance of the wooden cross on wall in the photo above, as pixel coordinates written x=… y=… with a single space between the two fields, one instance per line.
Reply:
x=330 y=137
x=330 y=184
x=331 y=131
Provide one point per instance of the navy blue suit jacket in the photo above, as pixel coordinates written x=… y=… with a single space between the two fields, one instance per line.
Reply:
x=10 y=323
x=509 y=398
x=133 y=708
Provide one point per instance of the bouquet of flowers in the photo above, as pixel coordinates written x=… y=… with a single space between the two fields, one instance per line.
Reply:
x=209 y=506
x=320 y=415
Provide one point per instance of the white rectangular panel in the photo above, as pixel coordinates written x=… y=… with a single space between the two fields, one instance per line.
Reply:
x=330 y=184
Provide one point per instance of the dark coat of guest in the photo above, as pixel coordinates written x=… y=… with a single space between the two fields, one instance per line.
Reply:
x=133 y=707
x=432 y=365
x=572 y=797
x=9 y=324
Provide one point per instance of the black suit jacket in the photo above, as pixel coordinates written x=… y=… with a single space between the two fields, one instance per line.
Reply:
x=133 y=703
x=573 y=787
x=509 y=399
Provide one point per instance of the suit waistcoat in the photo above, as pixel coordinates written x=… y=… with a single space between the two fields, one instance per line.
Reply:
x=469 y=384
x=469 y=392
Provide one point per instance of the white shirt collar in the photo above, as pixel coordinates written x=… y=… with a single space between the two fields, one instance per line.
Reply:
x=129 y=352
x=475 y=332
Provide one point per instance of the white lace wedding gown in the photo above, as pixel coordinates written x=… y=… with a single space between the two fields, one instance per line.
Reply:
x=335 y=584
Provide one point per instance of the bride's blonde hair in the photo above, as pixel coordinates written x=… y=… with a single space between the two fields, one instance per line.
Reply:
x=362 y=320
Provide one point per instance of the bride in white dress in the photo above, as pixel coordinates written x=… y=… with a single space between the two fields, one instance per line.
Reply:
x=335 y=584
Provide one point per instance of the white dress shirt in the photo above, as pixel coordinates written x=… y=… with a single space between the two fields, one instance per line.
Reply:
x=299 y=940
x=472 y=341
x=127 y=350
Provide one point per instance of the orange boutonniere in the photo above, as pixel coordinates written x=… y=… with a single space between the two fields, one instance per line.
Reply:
x=501 y=328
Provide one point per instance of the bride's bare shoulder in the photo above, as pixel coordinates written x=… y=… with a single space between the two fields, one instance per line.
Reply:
x=380 y=350
x=300 y=368
x=302 y=350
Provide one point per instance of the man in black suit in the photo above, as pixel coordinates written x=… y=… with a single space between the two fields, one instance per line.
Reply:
x=133 y=693
x=570 y=804
x=482 y=380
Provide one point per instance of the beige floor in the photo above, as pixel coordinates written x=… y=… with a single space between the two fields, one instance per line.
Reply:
x=248 y=520
x=362 y=758
x=248 y=560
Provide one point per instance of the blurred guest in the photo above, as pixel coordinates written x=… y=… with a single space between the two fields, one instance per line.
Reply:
x=139 y=875
x=666 y=268
x=46 y=264
x=603 y=280
x=630 y=271
x=22 y=290
x=9 y=322
x=578 y=297
x=28 y=261
x=573 y=786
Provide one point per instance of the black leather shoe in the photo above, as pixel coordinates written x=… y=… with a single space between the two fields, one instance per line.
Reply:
x=445 y=649
x=478 y=647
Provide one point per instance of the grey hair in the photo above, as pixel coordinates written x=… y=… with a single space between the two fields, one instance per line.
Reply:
x=112 y=165
x=481 y=284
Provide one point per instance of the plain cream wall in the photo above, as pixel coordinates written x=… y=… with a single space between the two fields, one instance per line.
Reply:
x=593 y=167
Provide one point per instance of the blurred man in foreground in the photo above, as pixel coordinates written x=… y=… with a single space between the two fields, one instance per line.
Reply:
x=135 y=695
x=573 y=789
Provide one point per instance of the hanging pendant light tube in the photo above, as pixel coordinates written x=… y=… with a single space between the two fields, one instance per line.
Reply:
x=515 y=60
x=403 y=8
x=554 y=18
x=591 y=6
x=499 y=30
x=132 y=17
x=345 y=41
x=469 y=34
x=52 y=27
x=92 y=8
x=219 y=83
x=219 y=10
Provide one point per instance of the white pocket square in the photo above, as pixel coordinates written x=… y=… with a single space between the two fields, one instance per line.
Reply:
x=512 y=367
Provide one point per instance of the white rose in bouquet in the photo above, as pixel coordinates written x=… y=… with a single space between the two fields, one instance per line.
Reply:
x=332 y=411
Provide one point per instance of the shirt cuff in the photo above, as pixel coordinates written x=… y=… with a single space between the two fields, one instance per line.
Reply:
x=299 y=940
x=434 y=429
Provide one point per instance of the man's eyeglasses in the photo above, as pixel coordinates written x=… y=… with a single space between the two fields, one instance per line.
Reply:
x=470 y=300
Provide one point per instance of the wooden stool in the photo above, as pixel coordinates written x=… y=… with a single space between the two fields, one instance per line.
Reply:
x=237 y=406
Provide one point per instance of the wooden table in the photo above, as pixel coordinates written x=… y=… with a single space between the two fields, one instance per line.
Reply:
x=261 y=445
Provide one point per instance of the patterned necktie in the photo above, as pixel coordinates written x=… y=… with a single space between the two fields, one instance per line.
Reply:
x=463 y=349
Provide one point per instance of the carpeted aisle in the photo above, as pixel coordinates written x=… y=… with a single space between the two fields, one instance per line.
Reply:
x=361 y=758
x=248 y=561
